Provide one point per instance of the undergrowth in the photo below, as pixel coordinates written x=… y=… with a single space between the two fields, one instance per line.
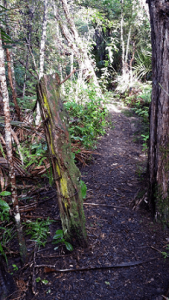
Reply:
x=33 y=153
x=139 y=101
x=38 y=230
x=87 y=116
x=86 y=122
x=6 y=231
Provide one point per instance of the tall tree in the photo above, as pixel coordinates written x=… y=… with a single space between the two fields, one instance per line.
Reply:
x=159 y=112
x=8 y=140
x=75 y=42
x=42 y=53
x=10 y=69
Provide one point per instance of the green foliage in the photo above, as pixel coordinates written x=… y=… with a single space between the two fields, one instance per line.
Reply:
x=34 y=153
x=4 y=207
x=4 y=210
x=162 y=204
x=59 y=238
x=86 y=121
x=142 y=109
x=143 y=64
x=39 y=230
x=141 y=105
x=3 y=253
x=145 y=138
x=6 y=235
x=27 y=102
x=44 y=281
x=165 y=254
x=139 y=102
x=15 y=268
x=83 y=189
x=5 y=37
x=19 y=75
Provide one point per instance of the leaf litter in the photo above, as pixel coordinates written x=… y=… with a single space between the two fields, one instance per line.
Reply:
x=123 y=259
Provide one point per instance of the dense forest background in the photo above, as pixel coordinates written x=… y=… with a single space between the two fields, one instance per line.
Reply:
x=101 y=51
x=114 y=36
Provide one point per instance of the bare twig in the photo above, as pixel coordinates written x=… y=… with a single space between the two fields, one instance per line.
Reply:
x=22 y=63
x=121 y=265
x=18 y=144
x=156 y=249
x=33 y=272
x=68 y=76
x=105 y=205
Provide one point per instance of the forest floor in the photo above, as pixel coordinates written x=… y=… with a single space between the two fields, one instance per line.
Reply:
x=123 y=259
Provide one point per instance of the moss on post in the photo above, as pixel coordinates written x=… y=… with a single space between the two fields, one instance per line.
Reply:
x=65 y=172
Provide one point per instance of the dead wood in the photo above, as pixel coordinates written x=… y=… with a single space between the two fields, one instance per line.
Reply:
x=115 y=266
x=105 y=205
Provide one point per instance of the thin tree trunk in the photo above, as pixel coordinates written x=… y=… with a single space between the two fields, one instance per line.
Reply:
x=43 y=40
x=159 y=112
x=25 y=75
x=65 y=172
x=77 y=45
x=10 y=71
x=71 y=63
x=42 y=54
x=62 y=48
x=1 y=104
x=60 y=69
x=122 y=40
x=128 y=44
x=127 y=48
x=33 y=58
x=13 y=71
x=131 y=62
x=8 y=140
x=14 y=95
x=125 y=52
x=23 y=64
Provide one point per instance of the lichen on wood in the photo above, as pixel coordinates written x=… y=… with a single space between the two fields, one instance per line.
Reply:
x=65 y=172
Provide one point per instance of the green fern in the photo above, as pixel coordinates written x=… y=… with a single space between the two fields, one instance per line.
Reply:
x=143 y=65
x=39 y=230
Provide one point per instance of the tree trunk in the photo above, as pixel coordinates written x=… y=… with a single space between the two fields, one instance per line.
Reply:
x=43 y=40
x=10 y=71
x=131 y=62
x=25 y=75
x=122 y=39
x=14 y=95
x=159 y=111
x=76 y=44
x=65 y=172
x=8 y=141
x=42 y=54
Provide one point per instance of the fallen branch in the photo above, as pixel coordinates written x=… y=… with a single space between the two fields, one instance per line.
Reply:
x=51 y=268
x=95 y=204
x=156 y=249
x=38 y=217
x=33 y=271
x=68 y=76
x=166 y=298
x=22 y=63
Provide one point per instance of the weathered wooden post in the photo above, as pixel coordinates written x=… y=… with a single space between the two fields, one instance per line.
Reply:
x=65 y=172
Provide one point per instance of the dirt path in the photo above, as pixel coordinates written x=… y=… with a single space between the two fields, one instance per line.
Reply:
x=118 y=236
